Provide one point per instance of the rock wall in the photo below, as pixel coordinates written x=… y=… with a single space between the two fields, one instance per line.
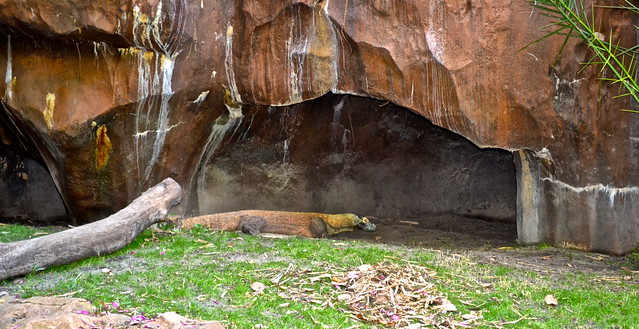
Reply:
x=115 y=96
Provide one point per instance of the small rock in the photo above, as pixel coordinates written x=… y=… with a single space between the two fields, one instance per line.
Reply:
x=72 y=313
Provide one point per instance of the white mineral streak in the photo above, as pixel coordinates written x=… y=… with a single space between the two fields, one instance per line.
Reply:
x=218 y=131
x=156 y=29
x=286 y=151
x=142 y=120
x=137 y=21
x=318 y=39
x=223 y=124
x=201 y=97
x=296 y=50
x=338 y=110
x=8 y=77
x=100 y=48
x=161 y=84
x=167 y=65
x=156 y=56
x=144 y=133
x=610 y=192
x=544 y=153
x=347 y=137
x=335 y=54
x=235 y=109
x=336 y=126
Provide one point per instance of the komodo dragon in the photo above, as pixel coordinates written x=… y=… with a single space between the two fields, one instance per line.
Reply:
x=307 y=224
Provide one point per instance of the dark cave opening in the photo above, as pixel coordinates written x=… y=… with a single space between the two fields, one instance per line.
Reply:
x=344 y=153
x=29 y=195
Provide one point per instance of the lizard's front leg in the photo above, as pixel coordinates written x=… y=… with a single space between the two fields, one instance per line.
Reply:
x=318 y=228
x=252 y=225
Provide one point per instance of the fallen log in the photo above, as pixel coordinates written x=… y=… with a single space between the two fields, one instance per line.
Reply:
x=98 y=238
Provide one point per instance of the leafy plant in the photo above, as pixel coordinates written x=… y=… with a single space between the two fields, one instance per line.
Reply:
x=573 y=18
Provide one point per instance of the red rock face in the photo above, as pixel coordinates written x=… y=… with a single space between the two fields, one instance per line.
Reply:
x=114 y=97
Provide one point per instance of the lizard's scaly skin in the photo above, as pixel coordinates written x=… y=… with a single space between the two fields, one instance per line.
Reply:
x=279 y=222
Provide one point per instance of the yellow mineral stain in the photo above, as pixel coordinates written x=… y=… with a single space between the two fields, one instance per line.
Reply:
x=48 y=112
x=148 y=56
x=228 y=98
x=10 y=87
x=12 y=84
x=229 y=31
x=162 y=60
x=102 y=147
x=131 y=51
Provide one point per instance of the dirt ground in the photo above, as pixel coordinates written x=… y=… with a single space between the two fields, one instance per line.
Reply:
x=495 y=243
x=444 y=231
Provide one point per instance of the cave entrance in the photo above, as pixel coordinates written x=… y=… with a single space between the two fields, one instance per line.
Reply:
x=343 y=153
x=29 y=195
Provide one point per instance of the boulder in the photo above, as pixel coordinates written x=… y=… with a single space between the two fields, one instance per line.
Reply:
x=72 y=313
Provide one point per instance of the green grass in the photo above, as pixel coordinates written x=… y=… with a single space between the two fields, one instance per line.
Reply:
x=208 y=275
x=10 y=232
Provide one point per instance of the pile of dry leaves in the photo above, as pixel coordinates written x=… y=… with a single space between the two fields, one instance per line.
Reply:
x=389 y=294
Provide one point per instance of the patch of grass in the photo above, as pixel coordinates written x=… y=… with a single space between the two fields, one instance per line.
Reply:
x=208 y=275
x=12 y=232
x=543 y=246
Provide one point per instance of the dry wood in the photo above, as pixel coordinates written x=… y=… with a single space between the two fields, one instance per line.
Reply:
x=408 y=222
x=98 y=238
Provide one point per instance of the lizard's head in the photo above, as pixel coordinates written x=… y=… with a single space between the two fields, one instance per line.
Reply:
x=365 y=225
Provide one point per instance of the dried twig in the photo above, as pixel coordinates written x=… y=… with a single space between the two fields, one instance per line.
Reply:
x=388 y=294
